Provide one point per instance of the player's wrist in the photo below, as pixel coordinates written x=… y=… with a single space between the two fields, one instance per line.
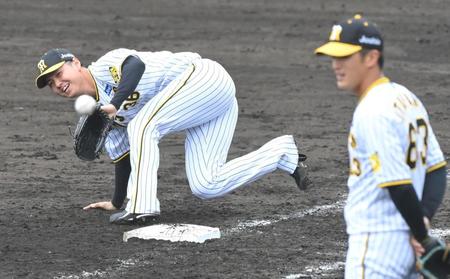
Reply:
x=429 y=242
x=421 y=236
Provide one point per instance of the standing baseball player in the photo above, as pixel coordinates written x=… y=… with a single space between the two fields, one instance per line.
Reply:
x=153 y=94
x=397 y=170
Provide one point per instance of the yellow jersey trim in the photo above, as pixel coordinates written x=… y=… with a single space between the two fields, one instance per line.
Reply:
x=178 y=87
x=97 y=96
x=379 y=81
x=395 y=183
x=437 y=166
x=121 y=157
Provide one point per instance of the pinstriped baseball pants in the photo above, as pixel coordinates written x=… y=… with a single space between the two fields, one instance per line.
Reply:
x=202 y=103
x=380 y=255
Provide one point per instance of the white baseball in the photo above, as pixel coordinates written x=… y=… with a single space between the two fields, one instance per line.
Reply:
x=85 y=104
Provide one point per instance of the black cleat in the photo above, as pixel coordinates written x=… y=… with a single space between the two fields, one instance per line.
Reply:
x=301 y=173
x=126 y=218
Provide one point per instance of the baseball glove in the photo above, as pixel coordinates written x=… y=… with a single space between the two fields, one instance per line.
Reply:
x=90 y=135
x=435 y=262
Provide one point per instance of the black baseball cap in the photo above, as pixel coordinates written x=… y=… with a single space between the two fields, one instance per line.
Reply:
x=51 y=61
x=351 y=36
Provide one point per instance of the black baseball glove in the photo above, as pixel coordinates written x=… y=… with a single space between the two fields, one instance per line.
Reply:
x=435 y=262
x=90 y=135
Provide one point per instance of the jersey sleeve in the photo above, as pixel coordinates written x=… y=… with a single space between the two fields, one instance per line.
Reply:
x=108 y=68
x=132 y=71
x=435 y=157
x=385 y=140
x=117 y=144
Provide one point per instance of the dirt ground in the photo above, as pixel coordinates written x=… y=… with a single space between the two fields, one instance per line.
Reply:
x=267 y=46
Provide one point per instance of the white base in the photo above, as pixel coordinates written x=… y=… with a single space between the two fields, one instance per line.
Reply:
x=174 y=232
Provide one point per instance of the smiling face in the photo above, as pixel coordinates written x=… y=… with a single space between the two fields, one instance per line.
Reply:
x=70 y=80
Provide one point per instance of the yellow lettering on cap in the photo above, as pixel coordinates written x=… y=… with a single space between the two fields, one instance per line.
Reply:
x=41 y=66
x=357 y=16
x=336 y=33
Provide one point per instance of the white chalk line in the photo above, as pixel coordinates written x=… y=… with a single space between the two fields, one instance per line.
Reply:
x=123 y=265
x=332 y=267
x=317 y=271
x=320 y=210
x=323 y=268
x=440 y=232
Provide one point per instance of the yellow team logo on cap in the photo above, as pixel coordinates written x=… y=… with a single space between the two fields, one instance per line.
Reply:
x=336 y=33
x=41 y=65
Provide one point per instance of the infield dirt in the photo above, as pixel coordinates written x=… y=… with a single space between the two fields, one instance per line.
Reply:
x=282 y=88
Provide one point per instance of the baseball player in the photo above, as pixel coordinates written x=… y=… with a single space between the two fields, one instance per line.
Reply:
x=397 y=170
x=153 y=94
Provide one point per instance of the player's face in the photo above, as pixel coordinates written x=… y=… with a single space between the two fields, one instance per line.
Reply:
x=67 y=81
x=350 y=72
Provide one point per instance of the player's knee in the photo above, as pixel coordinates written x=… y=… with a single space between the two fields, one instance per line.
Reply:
x=206 y=190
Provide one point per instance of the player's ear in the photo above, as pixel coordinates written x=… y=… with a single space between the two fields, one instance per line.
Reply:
x=76 y=62
x=371 y=58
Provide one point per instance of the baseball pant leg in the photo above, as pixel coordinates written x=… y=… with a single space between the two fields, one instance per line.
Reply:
x=380 y=255
x=197 y=97
x=207 y=146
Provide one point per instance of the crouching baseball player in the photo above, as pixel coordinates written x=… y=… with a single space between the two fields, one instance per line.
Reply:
x=397 y=169
x=153 y=94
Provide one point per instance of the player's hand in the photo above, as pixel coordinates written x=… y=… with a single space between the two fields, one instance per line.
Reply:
x=110 y=110
x=418 y=248
x=105 y=205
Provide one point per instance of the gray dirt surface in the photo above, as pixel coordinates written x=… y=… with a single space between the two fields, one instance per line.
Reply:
x=282 y=88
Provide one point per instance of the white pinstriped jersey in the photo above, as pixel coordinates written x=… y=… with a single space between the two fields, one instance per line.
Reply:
x=391 y=142
x=160 y=69
x=202 y=104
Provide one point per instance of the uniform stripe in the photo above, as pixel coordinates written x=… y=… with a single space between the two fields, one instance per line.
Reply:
x=121 y=157
x=176 y=90
x=245 y=169
x=395 y=183
x=380 y=255
x=436 y=167
x=97 y=96
x=205 y=108
x=391 y=122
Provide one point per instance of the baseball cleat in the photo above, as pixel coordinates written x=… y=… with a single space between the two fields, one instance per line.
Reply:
x=301 y=173
x=126 y=218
